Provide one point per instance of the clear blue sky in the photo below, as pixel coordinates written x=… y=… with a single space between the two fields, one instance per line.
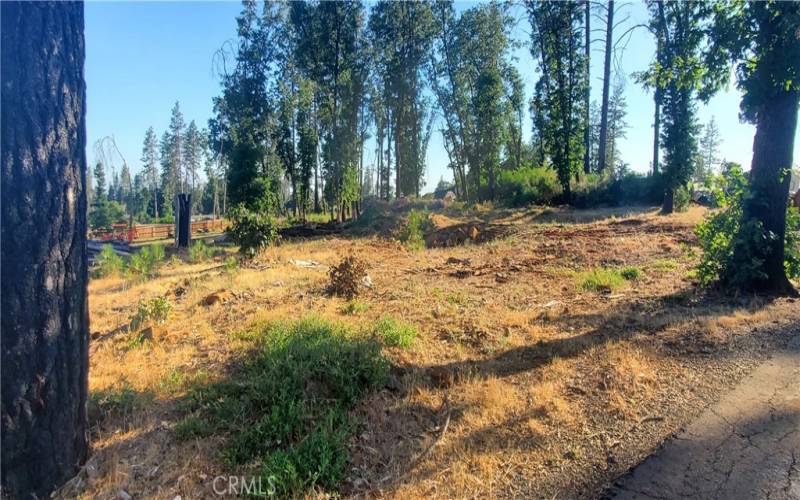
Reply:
x=143 y=56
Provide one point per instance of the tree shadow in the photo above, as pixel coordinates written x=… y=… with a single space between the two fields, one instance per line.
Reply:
x=644 y=322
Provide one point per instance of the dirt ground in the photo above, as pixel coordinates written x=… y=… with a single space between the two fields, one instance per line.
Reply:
x=520 y=384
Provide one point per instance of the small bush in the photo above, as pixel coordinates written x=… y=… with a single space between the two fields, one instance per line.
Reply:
x=348 y=277
x=120 y=401
x=155 y=310
x=288 y=405
x=353 y=307
x=200 y=252
x=681 y=199
x=230 y=264
x=395 y=333
x=664 y=265
x=146 y=262
x=528 y=186
x=413 y=233
x=108 y=263
x=600 y=280
x=252 y=231
x=733 y=253
x=630 y=273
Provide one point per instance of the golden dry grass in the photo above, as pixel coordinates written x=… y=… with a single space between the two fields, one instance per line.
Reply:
x=547 y=390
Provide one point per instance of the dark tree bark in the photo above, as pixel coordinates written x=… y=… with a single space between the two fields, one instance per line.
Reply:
x=601 y=148
x=44 y=263
x=769 y=183
x=668 y=205
x=587 y=141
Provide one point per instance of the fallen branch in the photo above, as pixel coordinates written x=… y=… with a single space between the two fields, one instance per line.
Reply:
x=426 y=451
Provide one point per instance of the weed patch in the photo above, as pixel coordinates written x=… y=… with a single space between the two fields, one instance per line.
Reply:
x=200 y=252
x=353 y=307
x=287 y=406
x=395 y=333
x=630 y=273
x=108 y=263
x=600 y=280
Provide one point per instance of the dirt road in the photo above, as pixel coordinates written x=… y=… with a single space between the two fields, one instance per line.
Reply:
x=746 y=446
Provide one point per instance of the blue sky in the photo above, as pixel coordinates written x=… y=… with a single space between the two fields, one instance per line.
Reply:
x=143 y=56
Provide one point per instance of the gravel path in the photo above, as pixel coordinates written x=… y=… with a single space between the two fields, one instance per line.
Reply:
x=746 y=446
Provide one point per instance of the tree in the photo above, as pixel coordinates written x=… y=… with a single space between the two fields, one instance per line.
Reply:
x=169 y=185
x=479 y=94
x=761 y=37
x=193 y=152
x=150 y=166
x=557 y=45
x=307 y=144
x=125 y=186
x=707 y=158
x=617 y=124
x=683 y=74
x=45 y=328
x=606 y=86
x=587 y=50
x=100 y=180
x=175 y=155
x=402 y=36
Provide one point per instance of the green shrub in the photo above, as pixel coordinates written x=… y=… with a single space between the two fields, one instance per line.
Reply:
x=252 y=231
x=528 y=186
x=630 y=273
x=230 y=264
x=119 y=401
x=200 y=252
x=600 y=279
x=156 y=310
x=395 y=333
x=354 y=306
x=108 y=263
x=104 y=212
x=145 y=262
x=733 y=253
x=288 y=405
x=413 y=233
x=681 y=199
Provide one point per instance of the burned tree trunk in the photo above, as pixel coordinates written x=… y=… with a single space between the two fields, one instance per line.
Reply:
x=587 y=138
x=44 y=275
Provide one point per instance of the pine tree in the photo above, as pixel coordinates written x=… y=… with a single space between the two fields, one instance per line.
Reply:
x=708 y=155
x=150 y=166
x=99 y=181
x=176 y=149
x=193 y=152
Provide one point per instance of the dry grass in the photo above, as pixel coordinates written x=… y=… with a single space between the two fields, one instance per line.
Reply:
x=548 y=390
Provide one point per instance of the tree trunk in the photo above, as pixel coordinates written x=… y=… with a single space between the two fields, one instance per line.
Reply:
x=601 y=147
x=587 y=142
x=44 y=262
x=769 y=184
x=656 y=129
x=668 y=205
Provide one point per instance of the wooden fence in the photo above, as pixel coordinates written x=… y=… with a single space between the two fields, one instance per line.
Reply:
x=151 y=232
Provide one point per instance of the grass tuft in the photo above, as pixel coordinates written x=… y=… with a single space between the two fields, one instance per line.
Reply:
x=353 y=307
x=287 y=406
x=630 y=273
x=600 y=279
x=395 y=333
